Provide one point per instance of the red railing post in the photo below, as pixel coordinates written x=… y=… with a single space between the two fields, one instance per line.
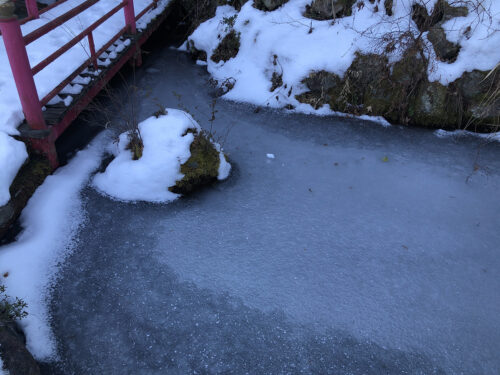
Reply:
x=32 y=8
x=128 y=9
x=25 y=84
x=93 y=56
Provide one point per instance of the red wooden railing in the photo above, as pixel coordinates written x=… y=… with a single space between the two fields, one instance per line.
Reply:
x=15 y=45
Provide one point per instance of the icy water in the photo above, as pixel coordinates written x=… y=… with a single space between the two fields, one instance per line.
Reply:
x=358 y=249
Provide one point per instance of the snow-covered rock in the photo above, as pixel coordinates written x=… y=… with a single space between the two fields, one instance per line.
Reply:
x=279 y=49
x=12 y=156
x=175 y=158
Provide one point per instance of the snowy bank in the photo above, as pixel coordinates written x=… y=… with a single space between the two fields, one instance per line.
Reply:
x=351 y=58
x=167 y=144
x=50 y=220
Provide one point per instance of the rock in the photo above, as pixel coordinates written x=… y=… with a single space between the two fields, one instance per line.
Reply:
x=481 y=107
x=442 y=12
x=268 y=5
x=237 y=4
x=434 y=107
x=365 y=73
x=329 y=9
x=276 y=81
x=322 y=81
x=444 y=49
x=195 y=53
x=29 y=177
x=202 y=168
x=16 y=358
x=227 y=48
x=323 y=86
x=388 y=7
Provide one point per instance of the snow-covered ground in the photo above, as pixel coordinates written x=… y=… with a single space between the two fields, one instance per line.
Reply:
x=50 y=221
x=166 y=143
x=285 y=42
x=10 y=106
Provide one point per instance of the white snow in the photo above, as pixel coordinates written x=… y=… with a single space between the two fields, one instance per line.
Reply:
x=441 y=133
x=12 y=156
x=166 y=147
x=2 y=371
x=50 y=219
x=50 y=77
x=285 y=42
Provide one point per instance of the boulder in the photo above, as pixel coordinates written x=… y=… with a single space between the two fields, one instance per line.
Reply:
x=329 y=9
x=202 y=167
x=16 y=358
x=444 y=49
x=195 y=53
x=29 y=177
x=442 y=12
x=227 y=48
x=323 y=86
x=268 y=5
x=480 y=98
x=434 y=107
x=388 y=4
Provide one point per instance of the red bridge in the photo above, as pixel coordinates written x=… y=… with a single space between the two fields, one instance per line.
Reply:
x=44 y=121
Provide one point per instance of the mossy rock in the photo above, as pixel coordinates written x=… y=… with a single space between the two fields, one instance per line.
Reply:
x=227 y=48
x=329 y=9
x=202 y=167
x=28 y=179
x=322 y=87
x=476 y=91
x=434 y=107
x=16 y=358
x=366 y=73
x=268 y=5
x=445 y=50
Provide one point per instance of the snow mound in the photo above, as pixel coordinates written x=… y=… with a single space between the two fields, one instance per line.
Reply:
x=167 y=140
x=12 y=156
x=50 y=221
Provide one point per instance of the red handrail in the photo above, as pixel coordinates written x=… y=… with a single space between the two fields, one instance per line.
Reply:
x=76 y=39
x=49 y=26
x=80 y=69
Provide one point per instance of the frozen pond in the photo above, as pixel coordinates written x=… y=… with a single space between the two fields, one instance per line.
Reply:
x=358 y=249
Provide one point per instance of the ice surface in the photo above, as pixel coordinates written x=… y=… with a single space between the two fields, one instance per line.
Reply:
x=360 y=250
